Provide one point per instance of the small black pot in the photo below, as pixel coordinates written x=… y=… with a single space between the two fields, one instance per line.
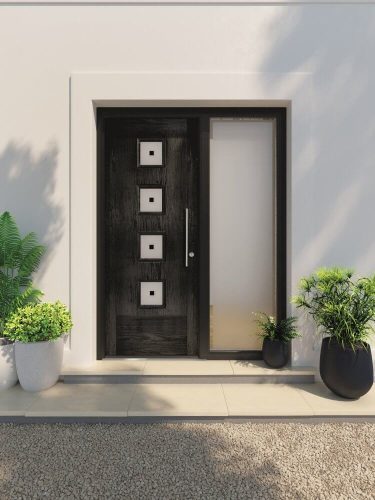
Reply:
x=275 y=353
x=345 y=371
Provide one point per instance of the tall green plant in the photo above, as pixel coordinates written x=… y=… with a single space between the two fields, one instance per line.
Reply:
x=19 y=259
x=343 y=308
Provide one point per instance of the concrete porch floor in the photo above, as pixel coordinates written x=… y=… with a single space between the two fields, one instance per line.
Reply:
x=134 y=389
x=140 y=401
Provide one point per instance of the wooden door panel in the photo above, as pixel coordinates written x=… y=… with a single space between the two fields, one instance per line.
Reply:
x=152 y=336
x=132 y=328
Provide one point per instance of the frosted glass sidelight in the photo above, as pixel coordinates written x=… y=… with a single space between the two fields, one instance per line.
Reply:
x=242 y=231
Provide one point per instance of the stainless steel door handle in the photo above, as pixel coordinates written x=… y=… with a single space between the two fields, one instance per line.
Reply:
x=186 y=237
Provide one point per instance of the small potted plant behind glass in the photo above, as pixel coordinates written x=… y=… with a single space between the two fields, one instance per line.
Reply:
x=38 y=332
x=344 y=312
x=277 y=336
x=19 y=259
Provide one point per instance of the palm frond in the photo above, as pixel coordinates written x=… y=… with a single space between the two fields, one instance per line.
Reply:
x=30 y=295
x=9 y=239
x=19 y=259
x=30 y=260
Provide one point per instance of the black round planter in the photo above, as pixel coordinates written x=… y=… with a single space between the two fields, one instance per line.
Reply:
x=275 y=353
x=348 y=373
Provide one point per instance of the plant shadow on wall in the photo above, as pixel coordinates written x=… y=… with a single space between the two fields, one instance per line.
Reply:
x=333 y=137
x=28 y=184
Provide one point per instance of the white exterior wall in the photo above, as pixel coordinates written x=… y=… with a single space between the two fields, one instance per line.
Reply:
x=318 y=58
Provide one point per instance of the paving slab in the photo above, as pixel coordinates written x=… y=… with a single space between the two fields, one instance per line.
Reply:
x=244 y=367
x=15 y=401
x=324 y=402
x=265 y=400
x=185 y=366
x=111 y=400
x=188 y=400
x=109 y=366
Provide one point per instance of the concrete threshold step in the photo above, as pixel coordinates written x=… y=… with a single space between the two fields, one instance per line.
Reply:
x=184 y=371
x=187 y=379
x=301 y=378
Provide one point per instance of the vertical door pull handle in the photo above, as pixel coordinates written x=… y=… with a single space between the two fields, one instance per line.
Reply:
x=186 y=237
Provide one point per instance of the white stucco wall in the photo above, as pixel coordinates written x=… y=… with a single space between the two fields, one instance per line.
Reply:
x=332 y=146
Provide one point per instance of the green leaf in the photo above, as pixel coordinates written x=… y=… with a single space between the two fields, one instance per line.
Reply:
x=284 y=329
x=38 y=322
x=19 y=259
x=342 y=307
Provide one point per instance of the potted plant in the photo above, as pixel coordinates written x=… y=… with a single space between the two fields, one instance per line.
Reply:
x=19 y=258
x=277 y=336
x=38 y=332
x=344 y=311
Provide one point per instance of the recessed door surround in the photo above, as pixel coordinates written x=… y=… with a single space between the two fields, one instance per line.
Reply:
x=156 y=263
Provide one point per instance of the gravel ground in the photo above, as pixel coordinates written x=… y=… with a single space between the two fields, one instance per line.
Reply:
x=188 y=461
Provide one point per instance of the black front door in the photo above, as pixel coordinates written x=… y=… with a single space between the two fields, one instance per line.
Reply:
x=150 y=177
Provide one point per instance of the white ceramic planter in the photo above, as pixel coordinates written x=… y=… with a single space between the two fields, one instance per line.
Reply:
x=8 y=373
x=39 y=364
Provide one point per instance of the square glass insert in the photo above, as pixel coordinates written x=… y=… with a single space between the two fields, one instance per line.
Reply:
x=152 y=293
x=151 y=200
x=151 y=246
x=151 y=153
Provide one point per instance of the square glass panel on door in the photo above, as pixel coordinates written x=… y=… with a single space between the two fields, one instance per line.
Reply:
x=242 y=230
x=151 y=153
x=151 y=246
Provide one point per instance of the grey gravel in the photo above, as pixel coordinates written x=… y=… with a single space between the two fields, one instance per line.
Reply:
x=188 y=461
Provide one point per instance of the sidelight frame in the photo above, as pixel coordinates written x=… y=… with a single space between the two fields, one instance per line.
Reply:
x=204 y=115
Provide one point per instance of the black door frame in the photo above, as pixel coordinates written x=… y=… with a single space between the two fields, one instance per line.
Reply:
x=279 y=115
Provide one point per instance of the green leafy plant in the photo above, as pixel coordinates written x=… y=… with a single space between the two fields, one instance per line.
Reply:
x=38 y=322
x=343 y=308
x=19 y=259
x=283 y=330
